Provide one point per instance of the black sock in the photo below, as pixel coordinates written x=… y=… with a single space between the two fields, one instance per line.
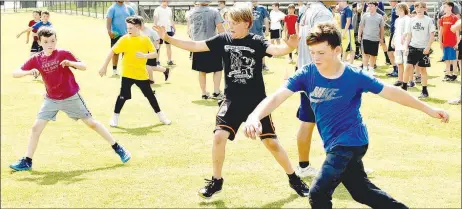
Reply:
x=404 y=86
x=424 y=89
x=115 y=146
x=452 y=68
x=29 y=160
x=292 y=176
x=304 y=164
x=395 y=68
x=114 y=67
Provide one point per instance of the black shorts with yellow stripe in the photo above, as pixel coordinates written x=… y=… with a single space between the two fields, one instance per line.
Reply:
x=232 y=113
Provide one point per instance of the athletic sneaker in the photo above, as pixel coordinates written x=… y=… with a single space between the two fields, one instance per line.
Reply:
x=114 y=120
x=398 y=83
x=123 y=153
x=163 y=118
x=447 y=78
x=368 y=170
x=371 y=71
x=411 y=84
x=206 y=96
x=212 y=187
x=218 y=95
x=114 y=72
x=455 y=102
x=305 y=172
x=452 y=77
x=392 y=74
x=167 y=73
x=418 y=79
x=299 y=186
x=423 y=95
x=170 y=63
x=21 y=165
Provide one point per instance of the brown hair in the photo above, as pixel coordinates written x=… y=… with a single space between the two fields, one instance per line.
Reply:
x=403 y=6
x=45 y=32
x=45 y=13
x=135 y=20
x=420 y=4
x=291 y=6
x=38 y=12
x=325 y=32
x=241 y=14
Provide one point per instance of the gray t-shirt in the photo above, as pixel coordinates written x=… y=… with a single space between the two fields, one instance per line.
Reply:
x=152 y=34
x=371 y=24
x=420 y=29
x=203 y=21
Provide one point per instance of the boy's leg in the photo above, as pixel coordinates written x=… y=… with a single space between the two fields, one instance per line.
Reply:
x=100 y=129
x=365 y=61
x=169 y=52
x=361 y=189
x=306 y=115
x=124 y=95
x=372 y=61
x=147 y=92
x=218 y=152
x=217 y=77
x=203 y=82
x=150 y=69
x=448 y=67
x=36 y=131
x=329 y=177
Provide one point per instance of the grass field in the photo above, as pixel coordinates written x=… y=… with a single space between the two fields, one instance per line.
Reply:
x=416 y=158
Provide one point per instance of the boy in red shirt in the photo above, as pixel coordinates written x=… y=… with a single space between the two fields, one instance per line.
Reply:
x=448 y=40
x=35 y=46
x=62 y=94
x=289 y=27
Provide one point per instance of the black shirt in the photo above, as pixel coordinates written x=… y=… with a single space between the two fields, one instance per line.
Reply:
x=242 y=64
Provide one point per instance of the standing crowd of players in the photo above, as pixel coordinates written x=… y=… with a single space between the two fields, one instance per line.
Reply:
x=231 y=41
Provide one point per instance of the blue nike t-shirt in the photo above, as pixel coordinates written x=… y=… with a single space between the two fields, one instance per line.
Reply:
x=37 y=25
x=259 y=15
x=336 y=103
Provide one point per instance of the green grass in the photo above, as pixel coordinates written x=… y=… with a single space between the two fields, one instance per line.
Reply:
x=416 y=159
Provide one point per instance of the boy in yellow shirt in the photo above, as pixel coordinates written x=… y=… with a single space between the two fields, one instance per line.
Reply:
x=137 y=49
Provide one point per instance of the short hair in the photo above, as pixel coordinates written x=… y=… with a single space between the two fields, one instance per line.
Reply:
x=324 y=32
x=38 y=12
x=135 y=20
x=276 y=4
x=374 y=3
x=224 y=2
x=45 y=32
x=291 y=6
x=241 y=14
x=450 y=4
x=403 y=6
x=45 y=13
x=420 y=4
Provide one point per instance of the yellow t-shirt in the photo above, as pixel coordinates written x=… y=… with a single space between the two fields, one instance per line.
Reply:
x=133 y=67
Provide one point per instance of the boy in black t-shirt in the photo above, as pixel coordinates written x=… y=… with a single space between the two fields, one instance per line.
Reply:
x=242 y=54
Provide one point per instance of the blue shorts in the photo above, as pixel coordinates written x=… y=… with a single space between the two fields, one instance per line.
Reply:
x=305 y=113
x=449 y=53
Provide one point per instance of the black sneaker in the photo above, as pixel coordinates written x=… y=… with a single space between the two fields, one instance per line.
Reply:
x=411 y=84
x=217 y=96
x=452 y=77
x=423 y=95
x=212 y=187
x=206 y=96
x=447 y=78
x=393 y=74
x=167 y=73
x=299 y=186
x=398 y=83
x=375 y=66
x=170 y=63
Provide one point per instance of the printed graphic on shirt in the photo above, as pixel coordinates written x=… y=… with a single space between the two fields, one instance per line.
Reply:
x=418 y=27
x=242 y=63
x=321 y=94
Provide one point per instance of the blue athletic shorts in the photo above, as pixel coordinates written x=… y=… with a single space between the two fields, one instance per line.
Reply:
x=449 y=53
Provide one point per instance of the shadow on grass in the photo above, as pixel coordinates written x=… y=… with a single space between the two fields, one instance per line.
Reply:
x=267 y=72
x=434 y=100
x=140 y=131
x=115 y=76
x=208 y=102
x=280 y=203
x=216 y=203
x=68 y=177
x=38 y=81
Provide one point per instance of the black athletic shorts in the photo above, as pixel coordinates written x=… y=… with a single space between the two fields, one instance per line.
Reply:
x=35 y=47
x=170 y=34
x=206 y=62
x=275 y=34
x=114 y=40
x=152 y=62
x=416 y=56
x=370 y=47
x=232 y=113
x=127 y=83
x=460 y=51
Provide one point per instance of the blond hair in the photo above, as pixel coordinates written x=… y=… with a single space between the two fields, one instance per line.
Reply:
x=241 y=14
x=403 y=6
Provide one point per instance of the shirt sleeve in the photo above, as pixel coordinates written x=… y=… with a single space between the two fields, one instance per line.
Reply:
x=150 y=45
x=131 y=11
x=29 y=64
x=216 y=43
x=382 y=23
x=264 y=45
x=349 y=13
x=69 y=56
x=218 y=18
x=298 y=82
x=37 y=25
x=110 y=13
x=119 y=47
x=369 y=83
x=265 y=13
x=432 y=27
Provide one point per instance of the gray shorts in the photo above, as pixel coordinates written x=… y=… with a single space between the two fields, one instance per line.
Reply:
x=73 y=106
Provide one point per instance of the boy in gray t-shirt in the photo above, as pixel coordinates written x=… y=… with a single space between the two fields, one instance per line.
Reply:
x=371 y=32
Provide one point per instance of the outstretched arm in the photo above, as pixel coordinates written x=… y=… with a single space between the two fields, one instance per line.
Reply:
x=253 y=126
x=26 y=30
x=21 y=73
x=283 y=49
x=192 y=46
x=76 y=65
x=103 y=69
x=397 y=95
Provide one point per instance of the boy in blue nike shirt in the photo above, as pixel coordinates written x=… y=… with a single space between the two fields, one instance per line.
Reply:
x=335 y=91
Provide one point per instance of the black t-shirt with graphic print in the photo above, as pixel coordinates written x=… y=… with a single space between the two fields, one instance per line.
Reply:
x=242 y=64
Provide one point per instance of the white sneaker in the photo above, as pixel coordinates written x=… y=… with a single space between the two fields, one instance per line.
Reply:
x=372 y=71
x=305 y=172
x=454 y=102
x=114 y=120
x=163 y=119
x=114 y=72
x=365 y=69
x=368 y=170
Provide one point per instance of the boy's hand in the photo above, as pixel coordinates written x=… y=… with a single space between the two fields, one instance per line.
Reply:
x=252 y=127
x=102 y=71
x=17 y=36
x=161 y=31
x=406 y=51
x=65 y=63
x=292 y=42
x=111 y=34
x=439 y=114
x=426 y=51
x=140 y=55
x=34 y=72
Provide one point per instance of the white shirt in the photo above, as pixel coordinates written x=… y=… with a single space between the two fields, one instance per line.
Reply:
x=163 y=16
x=401 y=28
x=276 y=17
